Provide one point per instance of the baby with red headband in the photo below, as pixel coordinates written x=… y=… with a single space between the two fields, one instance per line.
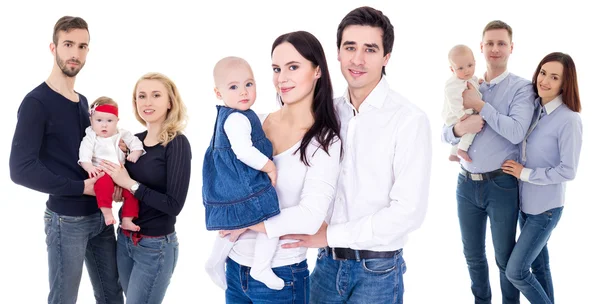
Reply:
x=101 y=142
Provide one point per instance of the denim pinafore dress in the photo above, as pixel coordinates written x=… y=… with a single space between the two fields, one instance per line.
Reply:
x=234 y=194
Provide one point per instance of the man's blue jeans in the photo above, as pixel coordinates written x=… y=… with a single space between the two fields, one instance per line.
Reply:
x=498 y=199
x=373 y=281
x=70 y=241
x=531 y=253
x=242 y=288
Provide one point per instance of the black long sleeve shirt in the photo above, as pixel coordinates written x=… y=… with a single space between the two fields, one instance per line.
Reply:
x=164 y=177
x=45 y=150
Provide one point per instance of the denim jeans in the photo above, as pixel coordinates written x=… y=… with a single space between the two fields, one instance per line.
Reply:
x=242 y=288
x=145 y=269
x=373 y=281
x=531 y=252
x=70 y=241
x=498 y=199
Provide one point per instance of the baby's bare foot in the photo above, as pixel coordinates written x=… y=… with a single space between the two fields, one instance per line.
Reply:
x=453 y=157
x=128 y=224
x=109 y=219
x=464 y=155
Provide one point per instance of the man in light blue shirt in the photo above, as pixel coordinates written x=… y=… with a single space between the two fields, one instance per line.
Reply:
x=483 y=190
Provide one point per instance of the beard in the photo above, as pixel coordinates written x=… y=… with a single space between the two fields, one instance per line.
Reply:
x=69 y=71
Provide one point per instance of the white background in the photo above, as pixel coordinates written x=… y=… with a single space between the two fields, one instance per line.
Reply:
x=184 y=42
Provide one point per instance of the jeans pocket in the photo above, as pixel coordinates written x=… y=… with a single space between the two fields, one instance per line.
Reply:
x=48 y=216
x=379 y=266
x=48 y=229
x=505 y=182
x=461 y=179
x=70 y=219
x=155 y=245
x=321 y=254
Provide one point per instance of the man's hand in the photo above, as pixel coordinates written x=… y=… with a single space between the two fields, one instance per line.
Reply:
x=117 y=194
x=88 y=184
x=233 y=234
x=123 y=146
x=471 y=99
x=470 y=124
x=317 y=240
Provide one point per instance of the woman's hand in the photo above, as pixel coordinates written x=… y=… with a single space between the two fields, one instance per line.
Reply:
x=513 y=168
x=118 y=194
x=118 y=174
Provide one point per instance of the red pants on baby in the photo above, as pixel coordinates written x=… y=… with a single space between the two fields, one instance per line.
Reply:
x=104 y=189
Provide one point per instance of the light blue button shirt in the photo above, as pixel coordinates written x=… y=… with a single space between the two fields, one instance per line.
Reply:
x=509 y=105
x=550 y=155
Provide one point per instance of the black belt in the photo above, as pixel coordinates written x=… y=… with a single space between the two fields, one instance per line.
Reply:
x=481 y=176
x=351 y=254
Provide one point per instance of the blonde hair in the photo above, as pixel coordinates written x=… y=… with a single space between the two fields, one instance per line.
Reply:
x=459 y=49
x=176 y=119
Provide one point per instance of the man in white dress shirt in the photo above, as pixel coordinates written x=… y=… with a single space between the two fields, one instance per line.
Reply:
x=384 y=179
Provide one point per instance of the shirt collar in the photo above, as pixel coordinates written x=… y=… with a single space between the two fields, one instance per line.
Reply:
x=498 y=79
x=376 y=97
x=553 y=105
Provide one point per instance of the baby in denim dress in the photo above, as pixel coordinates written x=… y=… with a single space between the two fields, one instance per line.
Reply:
x=238 y=174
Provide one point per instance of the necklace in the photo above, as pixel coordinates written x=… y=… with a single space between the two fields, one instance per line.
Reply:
x=73 y=96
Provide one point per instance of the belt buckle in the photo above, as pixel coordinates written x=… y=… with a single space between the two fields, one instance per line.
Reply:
x=477 y=177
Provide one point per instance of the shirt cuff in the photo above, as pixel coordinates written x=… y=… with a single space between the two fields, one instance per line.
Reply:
x=338 y=236
x=487 y=110
x=525 y=173
x=78 y=187
x=139 y=193
x=448 y=136
x=261 y=162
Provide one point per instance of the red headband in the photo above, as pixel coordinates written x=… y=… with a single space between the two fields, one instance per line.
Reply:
x=107 y=109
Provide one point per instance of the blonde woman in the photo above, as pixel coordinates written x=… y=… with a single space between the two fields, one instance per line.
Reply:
x=146 y=259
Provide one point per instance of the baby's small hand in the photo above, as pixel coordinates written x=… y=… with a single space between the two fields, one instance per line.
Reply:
x=134 y=156
x=93 y=171
x=271 y=171
x=273 y=177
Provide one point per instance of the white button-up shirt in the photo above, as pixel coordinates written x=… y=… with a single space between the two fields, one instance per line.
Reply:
x=384 y=179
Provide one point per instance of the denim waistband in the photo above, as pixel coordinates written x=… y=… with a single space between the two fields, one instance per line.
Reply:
x=136 y=236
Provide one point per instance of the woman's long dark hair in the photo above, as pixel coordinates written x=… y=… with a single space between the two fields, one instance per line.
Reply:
x=326 y=128
x=569 y=88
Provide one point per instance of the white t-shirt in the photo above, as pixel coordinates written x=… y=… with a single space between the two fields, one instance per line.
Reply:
x=94 y=148
x=305 y=195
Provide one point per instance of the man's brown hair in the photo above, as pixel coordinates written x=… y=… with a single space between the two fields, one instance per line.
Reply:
x=498 y=25
x=66 y=24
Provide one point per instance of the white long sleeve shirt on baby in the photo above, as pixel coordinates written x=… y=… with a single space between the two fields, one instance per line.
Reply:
x=305 y=194
x=94 y=148
x=453 y=103
x=239 y=132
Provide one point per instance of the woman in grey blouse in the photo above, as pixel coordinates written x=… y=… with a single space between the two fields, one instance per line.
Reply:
x=549 y=158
